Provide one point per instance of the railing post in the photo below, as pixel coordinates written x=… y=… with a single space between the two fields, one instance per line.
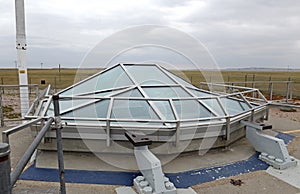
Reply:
x=253 y=84
x=59 y=144
x=271 y=90
x=291 y=90
x=177 y=140
x=287 y=90
x=1 y=111
x=5 y=186
x=228 y=130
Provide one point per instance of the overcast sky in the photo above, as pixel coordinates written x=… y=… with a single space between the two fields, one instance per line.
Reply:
x=238 y=33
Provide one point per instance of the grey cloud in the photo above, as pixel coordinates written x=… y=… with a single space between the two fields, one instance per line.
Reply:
x=237 y=32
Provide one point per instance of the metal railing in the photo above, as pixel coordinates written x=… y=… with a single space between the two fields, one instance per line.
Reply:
x=255 y=104
x=268 y=87
x=15 y=174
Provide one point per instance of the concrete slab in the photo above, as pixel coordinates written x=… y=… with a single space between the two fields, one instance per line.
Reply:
x=290 y=175
x=283 y=124
x=40 y=187
x=186 y=191
x=257 y=182
x=19 y=142
x=254 y=182
x=125 y=190
x=241 y=150
x=130 y=190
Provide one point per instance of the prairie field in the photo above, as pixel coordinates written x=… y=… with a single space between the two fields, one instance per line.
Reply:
x=66 y=77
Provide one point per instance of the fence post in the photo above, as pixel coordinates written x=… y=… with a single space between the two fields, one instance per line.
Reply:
x=291 y=90
x=2 y=83
x=36 y=91
x=1 y=111
x=287 y=90
x=29 y=86
x=54 y=84
x=253 y=84
x=5 y=185
x=271 y=90
x=246 y=77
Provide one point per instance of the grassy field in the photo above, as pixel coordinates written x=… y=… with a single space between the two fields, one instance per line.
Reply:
x=67 y=77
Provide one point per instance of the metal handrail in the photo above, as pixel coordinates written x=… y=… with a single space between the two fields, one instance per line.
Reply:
x=37 y=99
x=14 y=175
x=6 y=133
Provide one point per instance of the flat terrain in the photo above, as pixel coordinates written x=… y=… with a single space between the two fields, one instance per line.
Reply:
x=255 y=182
x=66 y=77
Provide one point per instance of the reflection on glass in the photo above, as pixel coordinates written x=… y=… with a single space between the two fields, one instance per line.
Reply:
x=189 y=109
x=133 y=109
x=148 y=74
x=165 y=92
x=113 y=78
x=164 y=108
x=94 y=110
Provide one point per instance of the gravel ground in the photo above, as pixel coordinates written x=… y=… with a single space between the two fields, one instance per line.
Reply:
x=258 y=182
x=34 y=187
x=294 y=116
x=255 y=182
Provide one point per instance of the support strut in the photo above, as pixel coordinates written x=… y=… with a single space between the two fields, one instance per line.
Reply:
x=153 y=179
x=273 y=150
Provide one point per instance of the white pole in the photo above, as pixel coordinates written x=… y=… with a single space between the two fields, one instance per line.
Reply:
x=21 y=54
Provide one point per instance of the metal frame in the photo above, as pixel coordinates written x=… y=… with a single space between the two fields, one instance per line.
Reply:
x=177 y=125
x=14 y=175
x=273 y=150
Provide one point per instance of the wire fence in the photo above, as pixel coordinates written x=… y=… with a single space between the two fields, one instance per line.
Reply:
x=10 y=109
x=274 y=85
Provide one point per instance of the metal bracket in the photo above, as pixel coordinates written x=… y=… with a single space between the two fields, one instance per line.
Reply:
x=273 y=150
x=153 y=180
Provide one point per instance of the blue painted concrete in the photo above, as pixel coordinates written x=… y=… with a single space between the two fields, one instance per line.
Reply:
x=190 y=178
x=80 y=176
x=181 y=180
x=287 y=138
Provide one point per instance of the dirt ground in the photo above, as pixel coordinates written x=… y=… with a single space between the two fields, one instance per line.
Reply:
x=255 y=182
x=294 y=116
x=38 y=187
x=258 y=182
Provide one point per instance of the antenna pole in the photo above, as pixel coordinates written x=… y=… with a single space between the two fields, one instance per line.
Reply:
x=21 y=55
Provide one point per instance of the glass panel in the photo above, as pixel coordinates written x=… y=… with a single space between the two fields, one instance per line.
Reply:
x=148 y=75
x=245 y=105
x=232 y=106
x=165 y=92
x=94 y=110
x=179 y=79
x=165 y=109
x=189 y=109
x=132 y=109
x=50 y=111
x=214 y=105
x=67 y=104
x=112 y=78
x=200 y=93
x=131 y=93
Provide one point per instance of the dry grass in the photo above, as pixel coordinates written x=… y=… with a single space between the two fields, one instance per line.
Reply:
x=67 y=77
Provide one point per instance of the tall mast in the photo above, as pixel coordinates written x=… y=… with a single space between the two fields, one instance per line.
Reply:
x=21 y=55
